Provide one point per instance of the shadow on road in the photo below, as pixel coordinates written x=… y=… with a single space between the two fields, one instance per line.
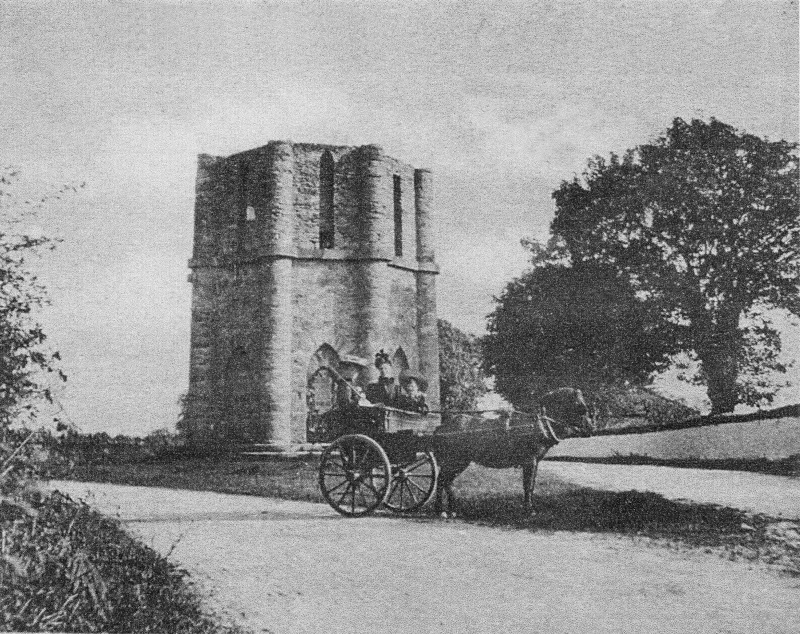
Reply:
x=737 y=534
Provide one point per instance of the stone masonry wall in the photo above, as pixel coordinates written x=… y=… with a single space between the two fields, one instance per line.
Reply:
x=266 y=297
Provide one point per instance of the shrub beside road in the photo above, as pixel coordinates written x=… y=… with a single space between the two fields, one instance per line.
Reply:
x=65 y=567
x=68 y=568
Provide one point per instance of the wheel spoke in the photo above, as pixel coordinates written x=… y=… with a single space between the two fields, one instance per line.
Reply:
x=359 y=460
x=370 y=486
x=418 y=487
x=419 y=463
x=340 y=462
x=353 y=500
x=411 y=492
x=344 y=495
x=337 y=486
x=332 y=464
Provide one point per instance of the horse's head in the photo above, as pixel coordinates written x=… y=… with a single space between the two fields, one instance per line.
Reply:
x=567 y=410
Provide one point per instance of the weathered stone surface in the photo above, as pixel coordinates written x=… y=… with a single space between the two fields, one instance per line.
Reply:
x=270 y=307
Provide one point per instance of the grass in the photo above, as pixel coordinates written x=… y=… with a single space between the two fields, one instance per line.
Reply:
x=493 y=496
x=67 y=568
x=786 y=467
x=285 y=479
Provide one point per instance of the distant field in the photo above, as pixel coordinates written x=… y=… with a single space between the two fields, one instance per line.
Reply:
x=491 y=496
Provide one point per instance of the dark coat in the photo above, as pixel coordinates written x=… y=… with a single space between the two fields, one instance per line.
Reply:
x=409 y=404
x=385 y=391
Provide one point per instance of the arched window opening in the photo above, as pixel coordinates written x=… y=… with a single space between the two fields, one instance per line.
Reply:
x=325 y=391
x=398 y=217
x=322 y=392
x=326 y=223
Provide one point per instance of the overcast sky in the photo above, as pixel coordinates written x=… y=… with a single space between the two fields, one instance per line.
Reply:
x=502 y=100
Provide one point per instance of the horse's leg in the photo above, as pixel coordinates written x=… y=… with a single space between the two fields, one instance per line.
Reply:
x=528 y=483
x=444 y=486
x=450 y=499
x=438 y=505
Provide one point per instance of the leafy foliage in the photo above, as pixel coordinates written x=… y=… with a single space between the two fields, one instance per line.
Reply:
x=703 y=223
x=23 y=356
x=461 y=377
x=70 y=449
x=635 y=406
x=63 y=567
x=67 y=568
x=580 y=326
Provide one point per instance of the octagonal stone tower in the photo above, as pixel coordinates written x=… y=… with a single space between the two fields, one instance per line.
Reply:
x=308 y=259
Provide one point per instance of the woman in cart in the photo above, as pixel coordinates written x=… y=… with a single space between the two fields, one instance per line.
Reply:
x=412 y=397
x=385 y=390
x=408 y=395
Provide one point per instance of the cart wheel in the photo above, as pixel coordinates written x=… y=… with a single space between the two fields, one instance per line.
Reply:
x=413 y=483
x=354 y=475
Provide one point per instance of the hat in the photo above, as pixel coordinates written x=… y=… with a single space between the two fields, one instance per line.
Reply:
x=381 y=358
x=408 y=375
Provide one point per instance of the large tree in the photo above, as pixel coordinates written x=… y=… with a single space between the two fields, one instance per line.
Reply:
x=579 y=326
x=703 y=223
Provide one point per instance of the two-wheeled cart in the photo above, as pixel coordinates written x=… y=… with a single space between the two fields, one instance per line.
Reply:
x=382 y=456
x=378 y=456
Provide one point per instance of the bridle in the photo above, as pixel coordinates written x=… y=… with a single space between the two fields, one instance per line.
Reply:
x=547 y=428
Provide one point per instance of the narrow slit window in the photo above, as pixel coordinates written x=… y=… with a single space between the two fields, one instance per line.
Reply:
x=398 y=217
x=244 y=194
x=326 y=223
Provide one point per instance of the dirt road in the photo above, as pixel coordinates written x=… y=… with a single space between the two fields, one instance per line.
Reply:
x=298 y=567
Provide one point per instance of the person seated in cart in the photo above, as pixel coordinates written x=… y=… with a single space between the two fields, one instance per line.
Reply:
x=408 y=395
x=385 y=391
x=412 y=398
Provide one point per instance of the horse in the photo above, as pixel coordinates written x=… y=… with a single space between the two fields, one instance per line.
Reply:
x=563 y=413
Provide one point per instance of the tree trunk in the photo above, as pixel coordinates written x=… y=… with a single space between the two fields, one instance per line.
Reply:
x=720 y=363
x=721 y=370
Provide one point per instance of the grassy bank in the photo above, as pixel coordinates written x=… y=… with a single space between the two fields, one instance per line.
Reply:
x=490 y=496
x=67 y=568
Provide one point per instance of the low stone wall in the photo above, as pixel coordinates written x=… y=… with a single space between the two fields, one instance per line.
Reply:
x=772 y=439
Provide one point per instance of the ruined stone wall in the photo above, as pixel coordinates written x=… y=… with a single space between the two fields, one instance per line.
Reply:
x=267 y=297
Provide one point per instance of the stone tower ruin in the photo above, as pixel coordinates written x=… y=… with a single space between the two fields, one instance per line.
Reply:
x=307 y=260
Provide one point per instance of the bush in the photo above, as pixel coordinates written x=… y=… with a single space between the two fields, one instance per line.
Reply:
x=65 y=567
x=632 y=407
x=72 y=449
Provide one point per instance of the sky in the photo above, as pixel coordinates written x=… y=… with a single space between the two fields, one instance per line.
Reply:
x=501 y=100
